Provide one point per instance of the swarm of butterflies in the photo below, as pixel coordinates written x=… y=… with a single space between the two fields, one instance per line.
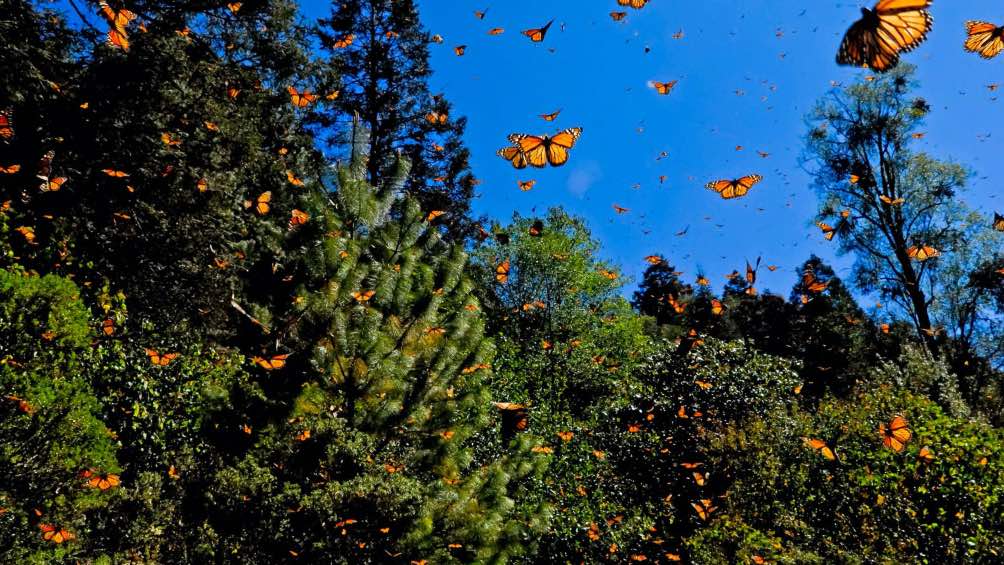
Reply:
x=875 y=41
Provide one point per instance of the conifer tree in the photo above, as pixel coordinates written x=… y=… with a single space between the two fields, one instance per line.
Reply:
x=379 y=52
x=369 y=453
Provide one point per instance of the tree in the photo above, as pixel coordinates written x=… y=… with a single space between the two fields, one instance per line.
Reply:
x=832 y=336
x=173 y=137
x=372 y=419
x=661 y=293
x=884 y=201
x=379 y=52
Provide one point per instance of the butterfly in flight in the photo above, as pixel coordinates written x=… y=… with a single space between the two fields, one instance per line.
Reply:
x=984 y=38
x=736 y=188
x=618 y=16
x=664 y=88
x=636 y=4
x=301 y=99
x=100 y=482
x=118 y=20
x=998 y=222
x=550 y=117
x=160 y=359
x=883 y=32
x=540 y=150
x=275 y=362
x=821 y=447
x=537 y=34
x=896 y=434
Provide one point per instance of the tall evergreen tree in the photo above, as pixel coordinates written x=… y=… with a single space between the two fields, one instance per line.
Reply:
x=368 y=454
x=661 y=293
x=379 y=51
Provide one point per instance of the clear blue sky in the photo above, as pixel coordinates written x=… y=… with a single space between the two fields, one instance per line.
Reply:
x=779 y=54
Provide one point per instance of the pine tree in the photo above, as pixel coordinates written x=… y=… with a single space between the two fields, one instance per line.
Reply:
x=368 y=453
x=379 y=53
x=661 y=293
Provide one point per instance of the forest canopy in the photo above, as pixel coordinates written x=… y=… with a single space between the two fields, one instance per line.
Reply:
x=248 y=315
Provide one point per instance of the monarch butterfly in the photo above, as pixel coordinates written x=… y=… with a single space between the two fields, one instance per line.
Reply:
x=717 y=308
x=811 y=283
x=699 y=478
x=108 y=326
x=6 y=124
x=618 y=16
x=539 y=151
x=118 y=20
x=436 y=118
x=101 y=482
x=298 y=218
x=234 y=7
x=158 y=359
x=261 y=204
x=536 y=35
x=514 y=155
x=636 y=4
x=704 y=508
x=275 y=362
x=292 y=179
x=496 y=31
x=984 y=38
x=434 y=214
x=820 y=446
x=169 y=140
x=664 y=88
x=751 y=272
x=890 y=28
x=566 y=436
x=703 y=281
x=891 y=201
x=896 y=434
x=550 y=117
x=301 y=99
x=515 y=417
x=480 y=14
x=654 y=259
x=925 y=454
x=114 y=173
x=344 y=41
x=737 y=188
x=363 y=296
x=922 y=252
x=502 y=272
x=620 y=209
x=460 y=50
x=27 y=232
x=55 y=534
x=436 y=38
x=828 y=231
x=526 y=185
x=537 y=228
x=52 y=185
x=998 y=222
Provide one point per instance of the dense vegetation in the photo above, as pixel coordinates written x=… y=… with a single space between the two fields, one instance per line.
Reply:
x=247 y=317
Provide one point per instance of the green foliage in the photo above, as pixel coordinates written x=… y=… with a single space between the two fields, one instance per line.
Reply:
x=378 y=59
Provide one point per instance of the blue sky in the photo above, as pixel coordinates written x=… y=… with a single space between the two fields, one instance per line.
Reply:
x=779 y=56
